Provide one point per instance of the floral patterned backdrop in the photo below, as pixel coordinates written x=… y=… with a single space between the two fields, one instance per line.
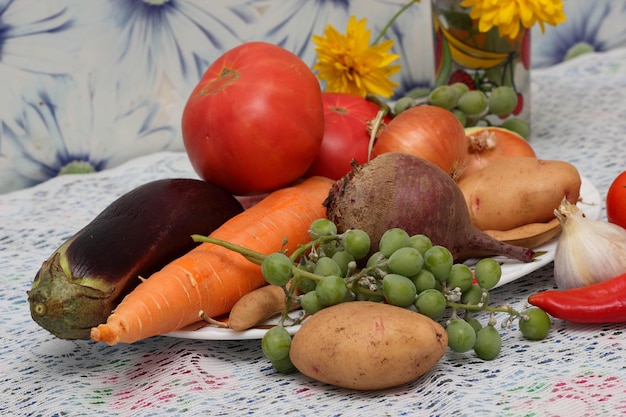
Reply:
x=89 y=84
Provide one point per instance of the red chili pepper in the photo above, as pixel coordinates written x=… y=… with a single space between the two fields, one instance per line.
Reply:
x=604 y=302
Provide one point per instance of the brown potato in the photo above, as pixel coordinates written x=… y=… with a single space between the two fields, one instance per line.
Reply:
x=515 y=192
x=365 y=345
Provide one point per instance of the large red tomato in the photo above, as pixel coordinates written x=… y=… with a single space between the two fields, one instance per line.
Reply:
x=346 y=136
x=616 y=201
x=255 y=121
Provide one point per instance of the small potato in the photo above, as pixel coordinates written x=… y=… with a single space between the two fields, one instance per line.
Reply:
x=514 y=192
x=365 y=345
x=257 y=306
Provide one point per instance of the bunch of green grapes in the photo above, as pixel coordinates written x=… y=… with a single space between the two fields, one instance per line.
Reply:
x=471 y=107
x=405 y=271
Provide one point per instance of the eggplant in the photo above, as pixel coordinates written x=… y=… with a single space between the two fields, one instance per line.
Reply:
x=81 y=283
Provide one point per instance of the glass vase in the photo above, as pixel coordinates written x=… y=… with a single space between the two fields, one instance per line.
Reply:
x=482 y=61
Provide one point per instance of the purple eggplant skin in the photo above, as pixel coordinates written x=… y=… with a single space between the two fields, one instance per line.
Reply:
x=81 y=283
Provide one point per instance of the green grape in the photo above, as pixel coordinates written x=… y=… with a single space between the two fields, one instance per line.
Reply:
x=461 y=117
x=460 y=277
x=392 y=240
x=488 y=272
x=284 y=365
x=473 y=102
x=461 y=335
x=331 y=290
x=276 y=343
x=329 y=248
x=418 y=92
x=439 y=261
x=406 y=261
x=424 y=280
x=399 y=290
x=459 y=88
x=343 y=259
x=420 y=242
x=502 y=100
x=374 y=259
x=537 y=324
x=488 y=343
x=377 y=259
x=431 y=303
x=322 y=227
x=443 y=96
x=310 y=303
x=366 y=296
x=277 y=268
x=304 y=284
x=356 y=242
x=362 y=296
x=326 y=267
x=474 y=295
x=518 y=126
x=402 y=104
x=474 y=323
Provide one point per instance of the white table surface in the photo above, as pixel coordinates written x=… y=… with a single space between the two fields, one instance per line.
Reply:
x=578 y=115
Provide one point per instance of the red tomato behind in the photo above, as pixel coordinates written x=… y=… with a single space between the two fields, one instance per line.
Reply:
x=255 y=121
x=345 y=134
x=616 y=201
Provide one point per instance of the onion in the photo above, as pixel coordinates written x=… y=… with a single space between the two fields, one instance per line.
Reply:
x=400 y=190
x=428 y=132
x=489 y=143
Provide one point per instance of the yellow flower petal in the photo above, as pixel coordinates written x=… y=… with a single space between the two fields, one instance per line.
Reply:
x=349 y=64
x=507 y=15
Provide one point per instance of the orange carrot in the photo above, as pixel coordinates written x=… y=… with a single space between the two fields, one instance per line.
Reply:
x=211 y=278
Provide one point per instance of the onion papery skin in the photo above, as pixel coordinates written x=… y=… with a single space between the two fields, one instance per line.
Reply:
x=486 y=144
x=427 y=132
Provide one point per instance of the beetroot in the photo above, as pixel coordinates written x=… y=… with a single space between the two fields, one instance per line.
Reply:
x=400 y=190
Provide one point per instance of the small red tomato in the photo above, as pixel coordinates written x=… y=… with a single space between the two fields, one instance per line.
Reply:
x=255 y=121
x=346 y=134
x=616 y=201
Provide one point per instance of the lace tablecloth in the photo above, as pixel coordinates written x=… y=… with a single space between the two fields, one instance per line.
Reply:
x=579 y=370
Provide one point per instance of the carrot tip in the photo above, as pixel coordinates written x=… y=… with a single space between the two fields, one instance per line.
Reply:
x=104 y=333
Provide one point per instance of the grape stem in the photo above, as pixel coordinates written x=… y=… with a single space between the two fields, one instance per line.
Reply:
x=257 y=257
x=478 y=307
x=481 y=307
x=249 y=254
x=299 y=273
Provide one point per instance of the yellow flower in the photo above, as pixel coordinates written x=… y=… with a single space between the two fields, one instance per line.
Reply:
x=349 y=64
x=507 y=15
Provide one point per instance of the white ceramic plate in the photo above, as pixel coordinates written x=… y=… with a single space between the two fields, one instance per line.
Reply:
x=511 y=270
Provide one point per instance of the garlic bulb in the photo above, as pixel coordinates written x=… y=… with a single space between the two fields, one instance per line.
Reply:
x=587 y=251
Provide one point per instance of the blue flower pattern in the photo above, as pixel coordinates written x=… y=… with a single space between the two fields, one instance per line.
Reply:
x=591 y=26
x=101 y=82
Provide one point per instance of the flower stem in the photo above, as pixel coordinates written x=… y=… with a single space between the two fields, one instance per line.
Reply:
x=393 y=19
